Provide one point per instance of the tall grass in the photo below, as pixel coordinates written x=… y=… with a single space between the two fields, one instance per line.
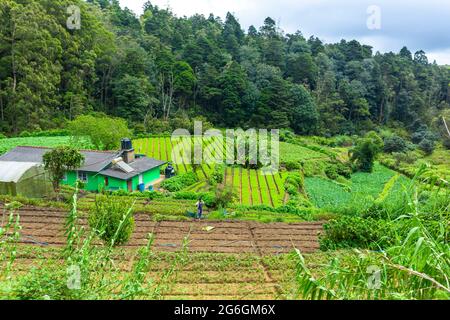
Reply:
x=87 y=270
x=415 y=266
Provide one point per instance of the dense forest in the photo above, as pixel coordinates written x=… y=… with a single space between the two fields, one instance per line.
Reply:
x=158 y=70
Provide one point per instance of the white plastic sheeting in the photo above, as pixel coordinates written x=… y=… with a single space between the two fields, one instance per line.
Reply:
x=12 y=171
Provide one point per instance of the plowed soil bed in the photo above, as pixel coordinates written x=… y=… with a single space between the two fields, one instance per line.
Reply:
x=45 y=227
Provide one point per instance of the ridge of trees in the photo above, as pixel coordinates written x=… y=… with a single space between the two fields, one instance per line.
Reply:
x=163 y=66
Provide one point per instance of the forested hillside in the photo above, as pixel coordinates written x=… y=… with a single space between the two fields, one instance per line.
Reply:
x=159 y=66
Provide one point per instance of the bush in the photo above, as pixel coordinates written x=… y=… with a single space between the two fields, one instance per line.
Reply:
x=2 y=136
x=139 y=129
x=427 y=146
x=394 y=144
x=43 y=284
x=366 y=150
x=286 y=135
x=295 y=180
x=112 y=220
x=157 y=126
x=224 y=196
x=208 y=197
x=180 y=182
x=445 y=143
x=355 y=232
x=217 y=175
x=337 y=169
x=343 y=141
x=293 y=165
x=25 y=134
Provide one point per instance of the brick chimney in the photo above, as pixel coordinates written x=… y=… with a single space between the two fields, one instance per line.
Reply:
x=128 y=154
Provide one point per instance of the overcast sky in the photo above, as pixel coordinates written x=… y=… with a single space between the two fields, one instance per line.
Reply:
x=417 y=24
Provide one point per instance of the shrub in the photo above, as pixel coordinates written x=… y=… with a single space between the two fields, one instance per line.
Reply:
x=112 y=220
x=224 y=196
x=336 y=169
x=208 y=197
x=295 y=180
x=157 y=126
x=180 y=182
x=394 y=144
x=25 y=134
x=342 y=141
x=217 y=175
x=286 y=135
x=422 y=134
x=427 y=146
x=42 y=284
x=2 y=136
x=445 y=143
x=292 y=165
x=139 y=129
x=366 y=150
x=355 y=232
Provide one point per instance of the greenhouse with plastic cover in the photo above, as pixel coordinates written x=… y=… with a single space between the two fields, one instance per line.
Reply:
x=24 y=178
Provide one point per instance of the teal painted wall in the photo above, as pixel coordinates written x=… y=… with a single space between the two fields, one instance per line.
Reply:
x=91 y=184
x=113 y=183
x=96 y=182
x=149 y=178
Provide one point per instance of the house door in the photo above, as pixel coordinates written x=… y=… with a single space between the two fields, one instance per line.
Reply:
x=130 y=185
x=141 y=179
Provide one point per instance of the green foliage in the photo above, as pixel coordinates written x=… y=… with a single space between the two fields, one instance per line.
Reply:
x=217 y=175
x=224 y=196
x=11 y=143
x=355 y=232
x=60 y=160
x=363 y=155
x=336 y=169
x=112 y=220
x=394 y=144
x=293 y=165
x=180 y=182
x=414 y=259
x=157 y=64
x=207 y=197
x=427 y=146
x=43 y=284
x=104 y=132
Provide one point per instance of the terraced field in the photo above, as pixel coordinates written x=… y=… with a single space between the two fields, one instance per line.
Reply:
x=202 y=276
x=45 y=227
x=228 y=260
x=251 y=187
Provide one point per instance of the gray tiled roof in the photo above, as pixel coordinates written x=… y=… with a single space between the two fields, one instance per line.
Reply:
x=95 y=161
x=140 y=165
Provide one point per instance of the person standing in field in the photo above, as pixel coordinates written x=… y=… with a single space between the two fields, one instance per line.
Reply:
x=200 y=205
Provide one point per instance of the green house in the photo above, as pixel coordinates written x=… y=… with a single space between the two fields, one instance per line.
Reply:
x=102 y=170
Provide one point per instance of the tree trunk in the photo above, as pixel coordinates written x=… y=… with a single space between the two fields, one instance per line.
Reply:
x=2 y=108
x=446 y=126
x=14 y=75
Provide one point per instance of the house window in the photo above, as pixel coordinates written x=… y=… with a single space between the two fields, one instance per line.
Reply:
x=82 y=176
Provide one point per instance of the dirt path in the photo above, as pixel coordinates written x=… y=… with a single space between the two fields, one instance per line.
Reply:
x=45 y=227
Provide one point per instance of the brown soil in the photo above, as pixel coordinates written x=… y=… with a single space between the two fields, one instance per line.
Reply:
x=45 y=227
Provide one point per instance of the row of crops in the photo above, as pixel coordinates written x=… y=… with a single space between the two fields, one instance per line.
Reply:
x=251 y=187
x=254 y=188
x=325 y=193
